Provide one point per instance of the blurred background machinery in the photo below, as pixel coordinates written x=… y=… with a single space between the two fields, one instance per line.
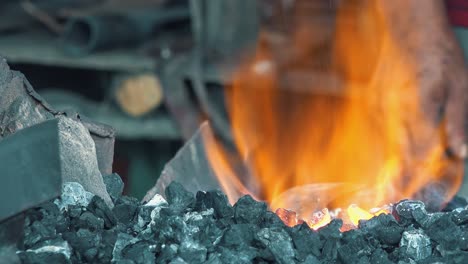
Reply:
x=152 y=69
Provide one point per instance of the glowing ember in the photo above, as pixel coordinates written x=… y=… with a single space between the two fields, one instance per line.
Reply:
x=320 y=219
x=349 y=126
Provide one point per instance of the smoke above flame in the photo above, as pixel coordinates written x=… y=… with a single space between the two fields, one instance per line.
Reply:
x=350 y=134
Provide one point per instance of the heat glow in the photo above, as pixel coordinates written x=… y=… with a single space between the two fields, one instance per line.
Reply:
x=351 y=135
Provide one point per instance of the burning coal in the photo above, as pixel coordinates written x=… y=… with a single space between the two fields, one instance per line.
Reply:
x=347 y=136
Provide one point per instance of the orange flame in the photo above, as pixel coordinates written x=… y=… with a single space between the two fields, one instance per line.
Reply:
x=352 y=133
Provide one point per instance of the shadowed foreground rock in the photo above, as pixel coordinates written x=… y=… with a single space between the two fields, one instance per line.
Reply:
x=87 y=148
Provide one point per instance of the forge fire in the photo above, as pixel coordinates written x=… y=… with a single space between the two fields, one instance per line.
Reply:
x=344 y=141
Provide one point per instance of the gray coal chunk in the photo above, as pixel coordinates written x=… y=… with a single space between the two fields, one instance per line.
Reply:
x=99 y=208
x=216 y=200
x=79 y=162
x=247 y=210
x=332 y=230
x=383 y=227
x=73 y=193
x=90 y=221
x=167 y=253
x=311 y=259
x=114 y=185
x=380 y=256
x=125 y=209
x=178 y=197
x=123 y=240
x=244 y=256
x=178 y=260
x=306 y=241
x=278 y=242
x=141 y=252
x=416 y=244
x=404 y=211
x=445 y=232
x=193 y=252
x=49 y=251
x=238 y=236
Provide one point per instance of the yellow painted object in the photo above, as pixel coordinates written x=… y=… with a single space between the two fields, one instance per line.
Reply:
x=139 y=94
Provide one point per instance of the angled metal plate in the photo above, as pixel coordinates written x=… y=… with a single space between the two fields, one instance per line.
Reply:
x=30 y=168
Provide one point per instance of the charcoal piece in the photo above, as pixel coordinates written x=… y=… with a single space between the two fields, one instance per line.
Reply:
x=332 y=230
x=123 y=240
x=141 y=252
x=38 y=232
x=455 y=257
x=384 y=228
x=124 y=261
x=415 y=244
x=156 y=201
x=356 y=248
x=178 y=260
x=445 y=232
x=214 y=259
x=125 y=209
x=84 y=242
x=272 y=220
x=403 y=211
x=170 y=229
x=238 y=236
x=144 y=217
x=247 y=210
x=192 y=252
x=379 y=256
x=30 y=257
x=460 y=217
x=53 y=246
x=98 y=207
x=178 y=197
x=463 y=242
x=73 y=193
x=244 y=256
x=330 y=249
x=109 y=237
x=90 y=254
x=455 y=203
x=311 y=259
x=306 y=241
x=62 y=224
x=114 y=185
x=90 y=221
x=167 y=253
x=278 y=241
x=75 y=211
x=216 y=200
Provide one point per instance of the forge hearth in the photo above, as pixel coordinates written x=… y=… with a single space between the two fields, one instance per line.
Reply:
x=205 y=228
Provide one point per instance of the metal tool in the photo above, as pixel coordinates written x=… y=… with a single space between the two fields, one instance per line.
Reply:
x=30 y=168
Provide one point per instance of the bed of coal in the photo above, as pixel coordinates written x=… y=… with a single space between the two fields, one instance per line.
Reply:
x=79 y=227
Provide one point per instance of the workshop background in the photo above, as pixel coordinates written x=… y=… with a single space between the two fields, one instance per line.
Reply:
x=152 y=69
x=130 y=64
